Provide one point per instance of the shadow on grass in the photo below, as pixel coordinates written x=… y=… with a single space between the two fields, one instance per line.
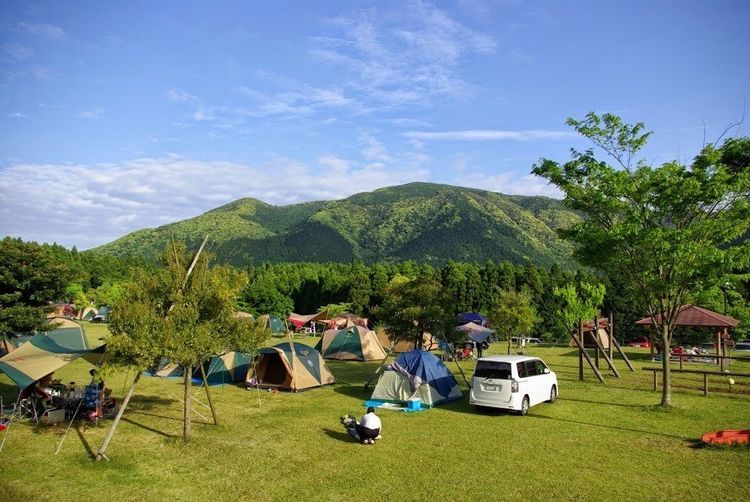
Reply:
x=601 y=402
x=166 y=417
x=150 y=429
x=139 y=403
x=85 y=442
x=355 y=391
x=611 y=427
x=339 y=435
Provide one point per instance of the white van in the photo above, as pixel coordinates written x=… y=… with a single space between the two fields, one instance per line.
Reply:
x=512 y=383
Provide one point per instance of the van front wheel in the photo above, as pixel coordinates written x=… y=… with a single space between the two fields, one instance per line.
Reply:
x=552 y=394
x=524 y=406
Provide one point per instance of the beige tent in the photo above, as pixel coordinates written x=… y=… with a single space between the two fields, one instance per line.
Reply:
x=242 y=315
x=346 y=321
x=290 y=366
x=588 y=338
x=351 y=344
x=87 y=314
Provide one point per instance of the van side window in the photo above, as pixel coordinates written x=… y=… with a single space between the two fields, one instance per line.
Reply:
x=530 y=368
x=522 y=372
x=539 y=367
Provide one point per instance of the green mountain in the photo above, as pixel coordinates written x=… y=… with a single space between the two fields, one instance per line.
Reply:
x=418 y=221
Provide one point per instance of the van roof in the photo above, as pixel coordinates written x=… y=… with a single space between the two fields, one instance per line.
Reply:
x=507 y=359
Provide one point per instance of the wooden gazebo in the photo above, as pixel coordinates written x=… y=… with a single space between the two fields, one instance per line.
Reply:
x=698 y=317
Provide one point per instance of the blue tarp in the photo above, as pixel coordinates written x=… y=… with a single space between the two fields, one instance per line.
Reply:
x=466 y=317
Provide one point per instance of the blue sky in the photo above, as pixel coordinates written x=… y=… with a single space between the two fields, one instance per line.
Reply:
x=122 y=115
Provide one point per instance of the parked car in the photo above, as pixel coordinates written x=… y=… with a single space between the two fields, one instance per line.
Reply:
x=742 y=346
x=639 y=341
x=512 y=383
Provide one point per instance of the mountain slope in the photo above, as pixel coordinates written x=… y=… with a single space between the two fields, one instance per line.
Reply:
x=419 y=221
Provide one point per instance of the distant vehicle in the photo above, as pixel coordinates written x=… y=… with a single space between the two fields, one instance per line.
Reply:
x=639 y=341
x=534 y=340
x=512 y=383
x=742 y=346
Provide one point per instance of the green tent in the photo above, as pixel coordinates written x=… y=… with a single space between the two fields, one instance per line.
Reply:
x=46 y=352
x=351 y=344
x=275 y=324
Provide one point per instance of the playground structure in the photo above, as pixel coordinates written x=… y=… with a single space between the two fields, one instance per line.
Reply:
x=599 y=335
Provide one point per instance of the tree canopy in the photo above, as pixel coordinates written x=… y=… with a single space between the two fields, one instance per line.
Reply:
x=666 y=230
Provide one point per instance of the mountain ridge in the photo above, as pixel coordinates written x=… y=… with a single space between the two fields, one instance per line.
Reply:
x=418 y=221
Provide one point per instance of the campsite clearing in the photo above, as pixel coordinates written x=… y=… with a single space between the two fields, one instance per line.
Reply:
x=596 y=442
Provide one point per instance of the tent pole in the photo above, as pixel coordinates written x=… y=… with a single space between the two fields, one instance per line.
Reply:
x=69 y=425
x=187 y=405
x=208 y=394
x=100 y=454
x=581 y=343
x=377 y=371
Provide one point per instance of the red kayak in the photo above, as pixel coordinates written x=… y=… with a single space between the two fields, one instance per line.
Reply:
x=727 y=437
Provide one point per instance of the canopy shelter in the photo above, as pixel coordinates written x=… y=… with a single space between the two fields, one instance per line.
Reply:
x=475 y=332
x=417 y=374
x=351 y=344
x=346 y=321
x=290 y=366
x=699 y=317
x=61 y=310
x=476 y=318
x=299 y=320
x=693 y=316
x=47 y=352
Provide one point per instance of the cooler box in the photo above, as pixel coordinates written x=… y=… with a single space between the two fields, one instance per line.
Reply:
x=54 y=417
x=414 y=404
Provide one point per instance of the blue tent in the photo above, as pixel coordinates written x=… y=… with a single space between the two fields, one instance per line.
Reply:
x=417 y=374
x=467 y=317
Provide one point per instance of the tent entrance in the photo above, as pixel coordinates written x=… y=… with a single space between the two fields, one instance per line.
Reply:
x=272 y=371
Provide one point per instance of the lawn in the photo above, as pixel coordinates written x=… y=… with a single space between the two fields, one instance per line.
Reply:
x=596 y=442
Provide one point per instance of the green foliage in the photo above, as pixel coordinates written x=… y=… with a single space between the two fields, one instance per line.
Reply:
x=513 y=314
x=579 y=305
x=417 y=307
x=662 y=230
x=427 y=222
x=336 y=309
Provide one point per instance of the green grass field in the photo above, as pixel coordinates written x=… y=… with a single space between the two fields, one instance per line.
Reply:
x=597 y=442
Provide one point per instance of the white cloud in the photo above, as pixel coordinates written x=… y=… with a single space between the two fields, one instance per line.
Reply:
x=88 y=205
x=17 y=115
x=94 y=113
x=42 y=73
x=509 y=182
x=18 y=52
x=488 y=135
x=181 y=96
x=406 y=61
x=44 y=29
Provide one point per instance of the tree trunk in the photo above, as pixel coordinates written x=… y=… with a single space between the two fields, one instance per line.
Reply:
x=666 y=387
x=186 y=409
x=508 y=345
x=100 y=454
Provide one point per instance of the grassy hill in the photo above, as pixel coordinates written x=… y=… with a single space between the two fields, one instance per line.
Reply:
x=419 y=221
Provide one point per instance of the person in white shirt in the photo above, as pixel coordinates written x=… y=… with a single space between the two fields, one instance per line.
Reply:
x=369 y=427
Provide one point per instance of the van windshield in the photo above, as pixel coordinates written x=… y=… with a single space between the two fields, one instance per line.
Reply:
x=492 y=369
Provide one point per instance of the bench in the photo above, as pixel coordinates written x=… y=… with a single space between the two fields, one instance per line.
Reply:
x=705 y=374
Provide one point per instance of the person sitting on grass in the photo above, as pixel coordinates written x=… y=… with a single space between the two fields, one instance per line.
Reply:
x=369 y=427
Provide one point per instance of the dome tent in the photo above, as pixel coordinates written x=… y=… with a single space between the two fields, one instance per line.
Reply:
x=351 y=344
x=290 y=366
x=417 y=374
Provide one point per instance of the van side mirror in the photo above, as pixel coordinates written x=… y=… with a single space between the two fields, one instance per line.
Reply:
x=546 y=371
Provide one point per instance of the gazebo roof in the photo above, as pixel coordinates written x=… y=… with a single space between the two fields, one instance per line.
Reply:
x=690 y=315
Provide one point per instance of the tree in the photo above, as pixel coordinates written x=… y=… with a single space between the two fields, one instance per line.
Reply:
x=31 y=277
x=663 y=229
x=413 y=308
x=512 y=314
x=578 y=306
x=183 y=312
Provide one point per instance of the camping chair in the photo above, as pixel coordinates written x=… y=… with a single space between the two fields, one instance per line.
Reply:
x=91 y=407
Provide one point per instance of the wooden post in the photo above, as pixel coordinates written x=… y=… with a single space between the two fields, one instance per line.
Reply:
x=596 y=337
x=208 y=395
x=101 y=453
x=588 y=360
x=619 y=349
x=705 y=384
x=187 y=405
x=581 y=345
x=611 y=332
x=654 y=372
x=718 y=349
x=610 y=363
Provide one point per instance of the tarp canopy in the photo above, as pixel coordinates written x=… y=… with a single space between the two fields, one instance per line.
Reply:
x=428 y=343
x=690 y=315
x=47 y=352
x=299 y=320
x=475 y=332
x=466 y=317
x=291 y=366
x=417 y=374
x=346 y=321
x=351 y=344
